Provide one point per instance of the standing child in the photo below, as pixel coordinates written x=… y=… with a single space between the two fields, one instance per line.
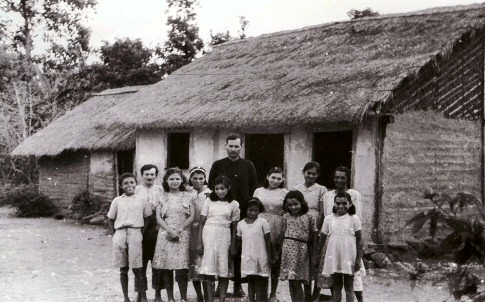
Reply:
x=272 y=195
x=217 y=237
x=174 y=215
x=313 y=193
x=253 y=234
x=299 y=235
x=344 y=249
x=198 y=181
x=128 y=218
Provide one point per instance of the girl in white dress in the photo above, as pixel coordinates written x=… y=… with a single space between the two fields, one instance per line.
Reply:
x=198 y=181
x=343 y=257
x=272 y=195
x=253 y=235
x=217 y=237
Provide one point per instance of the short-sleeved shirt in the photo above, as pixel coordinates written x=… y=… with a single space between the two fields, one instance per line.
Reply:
x=129 y=211
x=271 y=199
x=346 y=224
x=151 y=194
x=221 y=213
x=328 y=202
x=313 y=196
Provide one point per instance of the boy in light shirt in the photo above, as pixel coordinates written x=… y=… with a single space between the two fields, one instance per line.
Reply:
x=128 y=218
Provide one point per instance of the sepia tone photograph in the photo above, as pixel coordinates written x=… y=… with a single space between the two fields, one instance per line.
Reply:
x=260 y=151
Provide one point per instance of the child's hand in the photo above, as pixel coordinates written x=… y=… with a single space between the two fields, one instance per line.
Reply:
x=172 y=235
x=357 y=265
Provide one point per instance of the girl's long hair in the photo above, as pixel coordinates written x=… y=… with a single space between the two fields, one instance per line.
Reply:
x=295 y=194
x=224 y=180
x=347 y=196
x=170 y=171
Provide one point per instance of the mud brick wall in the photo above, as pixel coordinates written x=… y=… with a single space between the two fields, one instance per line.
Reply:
x=102 y=176
x=62 y=177
x=452 y=84
x=425 y=149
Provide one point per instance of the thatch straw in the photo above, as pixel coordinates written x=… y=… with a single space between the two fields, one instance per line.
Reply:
x=76 y=129
x=327 y=74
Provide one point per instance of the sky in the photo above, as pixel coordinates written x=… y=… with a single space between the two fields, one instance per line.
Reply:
x=145 y=19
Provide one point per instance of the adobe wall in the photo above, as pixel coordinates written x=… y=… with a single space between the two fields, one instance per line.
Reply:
x=102 y=175
x=63 y=176
x=424 y=149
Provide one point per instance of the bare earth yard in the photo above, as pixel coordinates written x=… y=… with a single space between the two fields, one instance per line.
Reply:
x=43 y=259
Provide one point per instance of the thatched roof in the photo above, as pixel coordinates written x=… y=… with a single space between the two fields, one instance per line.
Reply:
x=76 y=129
x=327 y=74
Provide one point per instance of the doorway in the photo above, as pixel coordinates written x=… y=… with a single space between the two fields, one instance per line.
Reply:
x=124 y=164
x=265 y=151
x=331 y=150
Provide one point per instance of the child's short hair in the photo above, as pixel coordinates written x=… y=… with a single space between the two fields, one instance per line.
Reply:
x=171 y=171
x=346 y=195
x=124 y=176
x=311 y=165
x=295 y=194
x=254 y=201
x=271 y=171
x=148 y=167
x=222 y=180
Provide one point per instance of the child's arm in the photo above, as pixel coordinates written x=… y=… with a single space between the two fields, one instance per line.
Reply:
x=111 y=226
x=233 y=249
x=146 y=224
x=187 y=221
x=164 y=225
x=319 y=247
x=200 y=243
x=358 y=258
x=238 y=242
x=269 y=250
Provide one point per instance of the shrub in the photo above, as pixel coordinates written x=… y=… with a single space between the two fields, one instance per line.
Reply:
x=28 y=202
x=464 y=216
x=85 y=204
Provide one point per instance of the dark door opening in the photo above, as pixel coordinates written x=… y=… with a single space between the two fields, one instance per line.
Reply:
x=331 y=150
x=125 y=164
x=265 y=151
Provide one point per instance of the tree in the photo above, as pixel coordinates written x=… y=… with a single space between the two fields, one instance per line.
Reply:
x=43 y=42
x=183 y=42
x=243 y=24
x=221 y=37
x=54 y=25
x=357 y=14
x=124 y=63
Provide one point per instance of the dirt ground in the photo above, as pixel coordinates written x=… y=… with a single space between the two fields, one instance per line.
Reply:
x=43 y=259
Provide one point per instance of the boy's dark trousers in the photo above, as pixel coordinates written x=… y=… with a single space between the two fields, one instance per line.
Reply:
x=149 y=243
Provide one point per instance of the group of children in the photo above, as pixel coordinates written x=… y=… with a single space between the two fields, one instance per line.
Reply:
x=282 y=237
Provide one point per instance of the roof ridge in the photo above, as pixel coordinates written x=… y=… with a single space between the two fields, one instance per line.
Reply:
x=428 y=11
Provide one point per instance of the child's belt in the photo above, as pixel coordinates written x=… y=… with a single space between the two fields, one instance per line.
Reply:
x=296 y=239
x=127 y=227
